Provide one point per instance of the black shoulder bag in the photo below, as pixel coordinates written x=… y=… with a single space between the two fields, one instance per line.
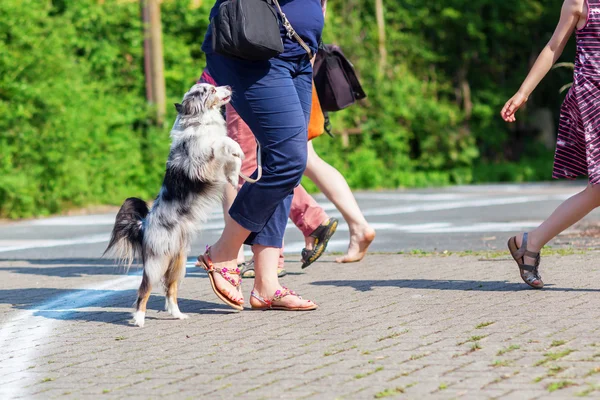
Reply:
x=335 y=79
x=249 y=29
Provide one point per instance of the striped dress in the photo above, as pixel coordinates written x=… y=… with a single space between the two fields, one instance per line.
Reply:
x=578 y=144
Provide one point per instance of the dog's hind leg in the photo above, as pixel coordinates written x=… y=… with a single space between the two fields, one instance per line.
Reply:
x=143 y=294
x=173 y=278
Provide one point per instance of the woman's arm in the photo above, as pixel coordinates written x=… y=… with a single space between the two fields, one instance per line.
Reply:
x=324 y=6
x=571 y=12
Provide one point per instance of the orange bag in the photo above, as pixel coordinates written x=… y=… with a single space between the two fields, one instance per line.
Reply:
x=316 y=123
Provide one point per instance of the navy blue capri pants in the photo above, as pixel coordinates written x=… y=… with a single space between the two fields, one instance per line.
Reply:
x=274 y=99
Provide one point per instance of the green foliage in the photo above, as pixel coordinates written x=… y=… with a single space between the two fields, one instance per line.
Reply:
x=75 y=128
x=75 y=125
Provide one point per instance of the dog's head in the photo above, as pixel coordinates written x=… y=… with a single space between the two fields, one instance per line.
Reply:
x=203 y=97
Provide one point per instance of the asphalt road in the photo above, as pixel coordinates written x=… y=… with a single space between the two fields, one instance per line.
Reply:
x=415 y=327
x=454 y=219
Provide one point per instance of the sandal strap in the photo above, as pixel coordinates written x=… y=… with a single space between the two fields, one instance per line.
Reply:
x=207 y=264
x=524 y=247
x=279 y=294
x=261 y=299
x=528 y=268
x=522 y=251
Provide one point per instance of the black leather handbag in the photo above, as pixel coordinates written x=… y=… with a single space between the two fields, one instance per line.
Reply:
x=249 y=29
x=335 y=79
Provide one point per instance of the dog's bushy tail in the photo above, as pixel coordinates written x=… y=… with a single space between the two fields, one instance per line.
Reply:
x=127 y=235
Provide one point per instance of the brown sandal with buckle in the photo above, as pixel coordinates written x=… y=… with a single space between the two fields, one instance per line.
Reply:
x=529 y=273
x=205 y=262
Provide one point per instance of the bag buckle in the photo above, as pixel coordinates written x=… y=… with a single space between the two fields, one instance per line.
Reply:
x=287 y=26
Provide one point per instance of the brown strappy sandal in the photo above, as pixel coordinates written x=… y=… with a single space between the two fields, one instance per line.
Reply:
x=205 y=262
x=529 y=273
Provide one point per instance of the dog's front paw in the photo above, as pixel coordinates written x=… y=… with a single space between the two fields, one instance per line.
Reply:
x=233 y=180
x=139 y=318
x=235 y=150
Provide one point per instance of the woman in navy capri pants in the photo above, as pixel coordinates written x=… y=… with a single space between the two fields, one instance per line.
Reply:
x=274 y=99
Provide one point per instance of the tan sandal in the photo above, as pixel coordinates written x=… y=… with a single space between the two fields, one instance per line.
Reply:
x=529 y=273
x=280 y=294
x=205 y=262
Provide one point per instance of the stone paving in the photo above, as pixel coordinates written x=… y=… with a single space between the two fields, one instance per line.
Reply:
x=392 y=326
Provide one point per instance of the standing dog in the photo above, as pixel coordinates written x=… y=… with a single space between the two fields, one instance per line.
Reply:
x=202 y=160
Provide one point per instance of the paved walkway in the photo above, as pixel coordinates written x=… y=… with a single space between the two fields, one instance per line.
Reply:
x=393 y=325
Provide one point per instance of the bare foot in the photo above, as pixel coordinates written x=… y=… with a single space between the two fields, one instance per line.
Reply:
x=359 y=244
x=291 y=301
x=222 y=284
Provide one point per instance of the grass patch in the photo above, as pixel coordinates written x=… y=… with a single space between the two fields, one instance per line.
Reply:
x=443 y=386
x=142 y=371
x=392 y=336
x=553 y=357
x=475 y=346
x=489 y=254
x=560 y=385
x=418 y=356
x=389 y=392
x=554 y=370
x=556 y=343
x=47 y=380
x=472 y=339
x=501 y=363
x=334 y=352
x=119 y=338
x=360 y=376
x=484 y=324
x=105 y=391
x=508 y=349
x=590 y=389
x=593 y=372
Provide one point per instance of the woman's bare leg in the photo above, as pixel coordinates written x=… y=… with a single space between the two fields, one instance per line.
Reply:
x=567 y=214
x=228 y=199
x=336 y=189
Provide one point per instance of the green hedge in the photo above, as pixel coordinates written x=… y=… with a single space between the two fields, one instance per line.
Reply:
x=75 y=128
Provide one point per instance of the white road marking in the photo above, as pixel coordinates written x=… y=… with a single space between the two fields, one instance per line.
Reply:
x=415 y=196
x=446 y=227
x=14 y=245
x=38 y=327
x=460 y=204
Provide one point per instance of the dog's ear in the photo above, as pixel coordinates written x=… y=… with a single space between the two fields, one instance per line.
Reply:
x=179 y=108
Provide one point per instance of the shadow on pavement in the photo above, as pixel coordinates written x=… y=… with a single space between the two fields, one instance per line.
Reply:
x=444 y=284
x=73 y=304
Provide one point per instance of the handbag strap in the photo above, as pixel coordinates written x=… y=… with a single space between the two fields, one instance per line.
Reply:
x=291 y=33
x=258 y=166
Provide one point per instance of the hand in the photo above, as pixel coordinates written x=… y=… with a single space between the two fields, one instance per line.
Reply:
x=511 y=107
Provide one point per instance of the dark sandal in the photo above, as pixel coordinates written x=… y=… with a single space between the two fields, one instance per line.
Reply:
x=322 y=235
x=280 y=294
x=247 y=270
x=205 y=262
x=529 y=273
